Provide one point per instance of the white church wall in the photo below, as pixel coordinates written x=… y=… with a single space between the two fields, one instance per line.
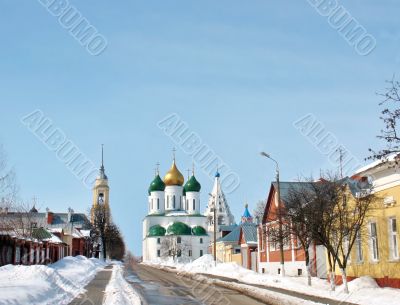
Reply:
x=171 y=192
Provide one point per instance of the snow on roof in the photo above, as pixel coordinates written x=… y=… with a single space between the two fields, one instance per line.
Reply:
x=53 y=239
x=389 y=158
x=55 y=230
x=85 y=233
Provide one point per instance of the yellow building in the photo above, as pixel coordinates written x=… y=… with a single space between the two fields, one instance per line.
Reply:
x=228 y=247
x=376 y=253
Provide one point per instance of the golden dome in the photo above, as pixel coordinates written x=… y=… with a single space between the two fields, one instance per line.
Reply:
x=173 y=176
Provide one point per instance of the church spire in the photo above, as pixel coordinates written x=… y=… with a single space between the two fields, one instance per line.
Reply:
x=102 y=174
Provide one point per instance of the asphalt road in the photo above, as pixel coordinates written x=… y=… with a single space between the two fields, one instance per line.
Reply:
x=159 y=287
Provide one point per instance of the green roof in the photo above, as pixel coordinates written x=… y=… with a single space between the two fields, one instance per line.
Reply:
x=179 y=228
x=41 y=233
x=156 y=230
x=198 y=230
x=192 y=185
x=156 y=185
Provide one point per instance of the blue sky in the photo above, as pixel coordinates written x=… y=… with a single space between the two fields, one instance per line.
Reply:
x=238 y=73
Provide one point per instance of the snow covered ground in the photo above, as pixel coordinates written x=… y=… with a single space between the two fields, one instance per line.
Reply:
x=363 y=291
x=58 y=283
x=118 y=290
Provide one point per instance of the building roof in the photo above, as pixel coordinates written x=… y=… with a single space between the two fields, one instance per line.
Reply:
x=228 y=228
x=249 y=231
x=231 y=237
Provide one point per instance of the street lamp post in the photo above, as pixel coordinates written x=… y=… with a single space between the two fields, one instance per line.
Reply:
x=280 y=229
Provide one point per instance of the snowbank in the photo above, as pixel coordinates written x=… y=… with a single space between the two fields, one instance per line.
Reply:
x=58 y=283
x=363 y=290
x=118 y=290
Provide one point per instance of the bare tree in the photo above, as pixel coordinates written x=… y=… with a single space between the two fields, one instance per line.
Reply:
x=259 y=210
x=175 y=247
x=299 y=214
x=114 y=242
x=100 y=220
x=390 y=116
x=339 y=216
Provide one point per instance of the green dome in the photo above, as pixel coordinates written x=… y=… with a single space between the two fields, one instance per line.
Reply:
x=156 y=185
x=198 y=230
x=179 y=228
x=156 y=230
x=192 y=185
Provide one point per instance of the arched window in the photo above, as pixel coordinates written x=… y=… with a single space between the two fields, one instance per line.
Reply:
x=201 y=240
x=194 y=204
x=178 y=240
x=173 y=202
x=158 y=203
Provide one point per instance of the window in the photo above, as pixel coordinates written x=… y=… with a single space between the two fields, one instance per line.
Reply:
x=194 y=204
x=158 y=240
x=359 y=248
x=374 y=241
x=179 y=253
x=158 y=253
x=201 y=252
x=394 y=250
x=299 y=272
x=178 y=240
x=152 y=204
x=237 y=251
x=173 y=202
x=201 y=240
x=220 y=220
x=158 y=203
x=167 y=202
x=190 y=253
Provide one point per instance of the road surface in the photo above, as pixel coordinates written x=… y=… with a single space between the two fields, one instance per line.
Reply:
x=95 y=289
x=159 y=287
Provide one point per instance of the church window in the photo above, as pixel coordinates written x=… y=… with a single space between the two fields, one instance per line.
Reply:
x=100 y=199
x=173 y=202
x=194 y=204
x=201 y=252
x=179 y=253
x=179 y=240
x=158 y=203
x=158 y=253
x=190 y=252
x=158 y=240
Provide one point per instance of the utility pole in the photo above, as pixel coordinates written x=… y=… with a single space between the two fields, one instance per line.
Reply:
x=279 y=208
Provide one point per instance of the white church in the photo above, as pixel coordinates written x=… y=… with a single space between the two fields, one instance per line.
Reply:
x=174 y=226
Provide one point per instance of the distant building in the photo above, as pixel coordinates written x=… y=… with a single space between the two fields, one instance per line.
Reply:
x=36 y=238
x=240 y=244
x=376 y=252
x=174 y=226
x=294 y=256
x=223 y=212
